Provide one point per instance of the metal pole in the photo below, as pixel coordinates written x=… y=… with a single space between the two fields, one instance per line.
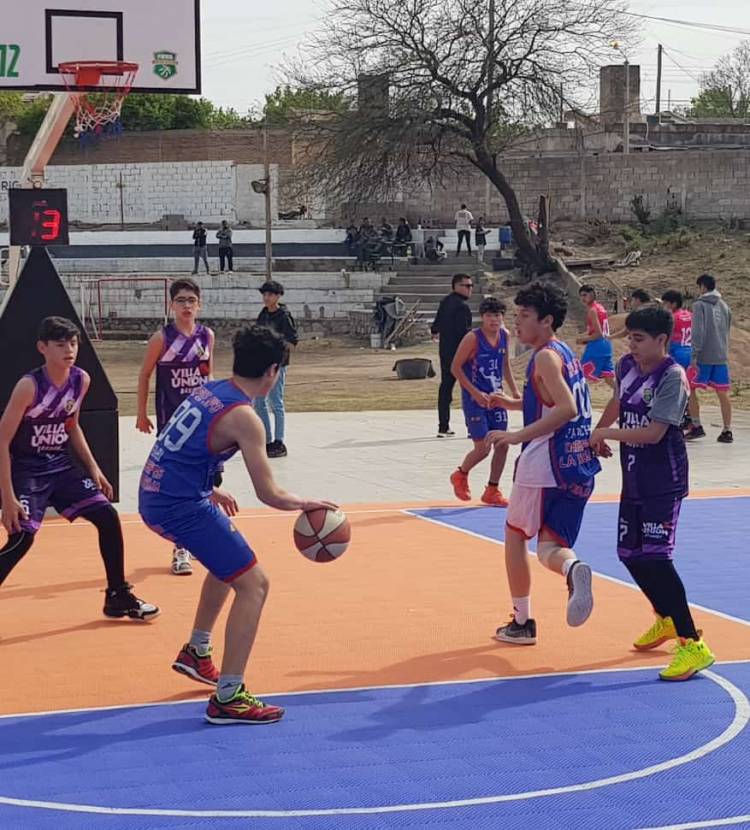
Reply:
x=659 y=51
x=122 y=204
x=626 y=137
x=562 y=104
x=267 y=176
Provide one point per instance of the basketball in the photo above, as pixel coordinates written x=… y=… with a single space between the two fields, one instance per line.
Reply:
x=322 y=535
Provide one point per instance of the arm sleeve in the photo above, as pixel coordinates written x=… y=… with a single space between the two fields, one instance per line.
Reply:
x=466 y=318
x=698 y=329
x=670 y=398
x=437 y=322
x=290 y=329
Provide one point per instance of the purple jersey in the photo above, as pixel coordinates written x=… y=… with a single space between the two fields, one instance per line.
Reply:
x=653 y=470
x=40 y=446
x=485 y=369
x=183 y=365
x=181 y=467
x=562 y=458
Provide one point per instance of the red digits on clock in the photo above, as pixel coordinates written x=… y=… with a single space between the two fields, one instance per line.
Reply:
x=51 y=225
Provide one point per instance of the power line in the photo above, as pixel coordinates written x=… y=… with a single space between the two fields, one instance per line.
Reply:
x=691 y=24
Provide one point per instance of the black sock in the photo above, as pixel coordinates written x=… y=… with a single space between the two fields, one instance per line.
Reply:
x=660 y=582
x=111 y=545
x=13 y=551
x=493 y=483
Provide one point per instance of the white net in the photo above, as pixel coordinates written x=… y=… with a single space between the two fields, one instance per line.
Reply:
x=99 y=90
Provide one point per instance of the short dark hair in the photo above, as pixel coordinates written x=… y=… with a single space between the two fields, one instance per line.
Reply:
x=587 y=289
x=255 y=349
x=640 y=294
x=674 y=297
x=457 y=278
x=463 y=206
x=491 y=305
x=184 y=284
x=57 y=328
x=199 y=223
x=547 y=299
x=271 y=287
x=707 y=281
x=653 y=321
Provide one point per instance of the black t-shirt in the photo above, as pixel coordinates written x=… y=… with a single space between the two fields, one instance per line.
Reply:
x=199 y=237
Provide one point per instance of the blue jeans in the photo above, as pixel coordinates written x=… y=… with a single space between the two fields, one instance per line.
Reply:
x=275 y=401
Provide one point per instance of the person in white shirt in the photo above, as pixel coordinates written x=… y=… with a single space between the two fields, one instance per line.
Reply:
x=463 y=226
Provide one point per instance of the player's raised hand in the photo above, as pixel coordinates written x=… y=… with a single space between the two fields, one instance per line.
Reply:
x=144 y=424
x=226 y=501
x=13 y=514
x=103 y=484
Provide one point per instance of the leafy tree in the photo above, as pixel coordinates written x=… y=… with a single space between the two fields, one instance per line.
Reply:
x=463 y=76
x=286 y=103
x=725 y=91
x=11 y=104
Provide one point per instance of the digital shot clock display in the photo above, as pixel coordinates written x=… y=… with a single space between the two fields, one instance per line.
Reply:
x=38 y=217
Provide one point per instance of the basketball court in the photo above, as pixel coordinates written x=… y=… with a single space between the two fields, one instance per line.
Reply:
x=402 y=711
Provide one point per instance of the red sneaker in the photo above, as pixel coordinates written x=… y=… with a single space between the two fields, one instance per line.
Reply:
x=202 y=669
x=242 y=708
x=493 y=496
x=460 y=482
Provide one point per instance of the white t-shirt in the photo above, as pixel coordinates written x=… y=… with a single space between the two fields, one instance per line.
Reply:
x=463 y=220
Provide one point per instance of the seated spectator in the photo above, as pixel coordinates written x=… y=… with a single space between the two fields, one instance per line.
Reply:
x=366 y=228
x=403 y=237
x=386 y=229
x=433 y=249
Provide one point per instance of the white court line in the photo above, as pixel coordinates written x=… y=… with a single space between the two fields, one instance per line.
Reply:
x=616 y=580
x=696 y=825
x=739 y=722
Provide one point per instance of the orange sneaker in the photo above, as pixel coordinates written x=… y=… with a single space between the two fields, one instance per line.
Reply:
x=493 y=496
x=460 y=482
x=192 y=664
x=242 y=708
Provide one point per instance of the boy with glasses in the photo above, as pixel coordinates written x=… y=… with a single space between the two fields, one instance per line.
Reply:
x=182 y=354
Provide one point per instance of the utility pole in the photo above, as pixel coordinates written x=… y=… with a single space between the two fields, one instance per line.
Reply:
x=626 y=136
x=659 y=51
x=121 y=188
x=267 y=194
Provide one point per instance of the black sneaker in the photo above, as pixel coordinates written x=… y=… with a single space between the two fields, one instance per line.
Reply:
x=695 y=432
x=725 y=437
x=276 y=449
x=520 y=635
x=122 y=602
x=445 y=433
x=580 y=598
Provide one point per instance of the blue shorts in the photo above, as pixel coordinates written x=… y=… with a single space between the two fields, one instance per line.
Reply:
x=681 y=354
x=714 y=375
x=480 y=421
x=558 y=510
x=597 y=361
x=648 y=528
x=71 y=492
x=206 y=531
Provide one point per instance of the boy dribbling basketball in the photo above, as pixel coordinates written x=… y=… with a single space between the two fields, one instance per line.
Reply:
x=182 y=353
x=178 y=500
x=480 y=365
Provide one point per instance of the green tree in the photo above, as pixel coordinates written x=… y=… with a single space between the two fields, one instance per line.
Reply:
x=725 y=91
x=286 y=102
x=11 y=104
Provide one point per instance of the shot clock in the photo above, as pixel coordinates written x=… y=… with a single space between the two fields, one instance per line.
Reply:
x=38 y=217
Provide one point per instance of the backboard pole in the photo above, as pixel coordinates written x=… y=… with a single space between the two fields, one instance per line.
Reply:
x=42 y=147
x=267 y=193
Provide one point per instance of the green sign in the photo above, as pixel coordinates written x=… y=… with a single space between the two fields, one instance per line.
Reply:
x=9 y=54
x=165 y=65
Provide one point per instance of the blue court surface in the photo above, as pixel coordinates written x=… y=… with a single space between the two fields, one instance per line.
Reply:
x=712 y=556
x=610 y=749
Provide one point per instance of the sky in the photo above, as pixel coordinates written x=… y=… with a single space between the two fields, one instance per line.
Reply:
x=244 y=41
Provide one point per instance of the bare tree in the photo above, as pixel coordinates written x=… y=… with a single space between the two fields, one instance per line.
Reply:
x=725 y=91
x=464 y=78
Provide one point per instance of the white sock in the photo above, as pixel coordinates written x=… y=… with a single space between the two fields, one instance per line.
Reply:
x=567 y=565
x=521 y=609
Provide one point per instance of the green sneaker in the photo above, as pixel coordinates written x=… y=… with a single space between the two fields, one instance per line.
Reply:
x=661 y=631
x=690 y=657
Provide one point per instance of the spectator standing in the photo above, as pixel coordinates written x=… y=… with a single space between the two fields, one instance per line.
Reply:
x=403 y=237
x=463 y=226
x=200 y=247
x=480 y=237
x=276 y=316
x=418 y=239
x=451 y=323
x=226 y=252
x=352 y=236
x=709 y=360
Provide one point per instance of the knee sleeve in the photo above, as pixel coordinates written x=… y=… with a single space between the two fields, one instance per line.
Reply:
x=13 y=551
x=545 y=551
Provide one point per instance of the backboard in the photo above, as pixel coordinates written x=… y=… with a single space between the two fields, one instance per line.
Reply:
x=161 y=36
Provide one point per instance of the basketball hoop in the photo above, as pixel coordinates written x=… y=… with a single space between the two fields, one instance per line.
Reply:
x=99 y=89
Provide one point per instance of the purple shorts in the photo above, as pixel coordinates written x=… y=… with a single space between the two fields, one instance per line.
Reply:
x=72 y=493
x=648 y=528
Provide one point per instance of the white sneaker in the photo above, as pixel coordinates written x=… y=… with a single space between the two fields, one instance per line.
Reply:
x=181 y=562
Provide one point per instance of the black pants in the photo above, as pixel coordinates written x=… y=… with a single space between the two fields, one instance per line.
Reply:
x=445 y=393
x=461 y=236
x=226 y=255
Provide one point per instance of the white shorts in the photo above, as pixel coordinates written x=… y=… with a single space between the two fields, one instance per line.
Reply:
x=557 y=510
x=525 y=510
